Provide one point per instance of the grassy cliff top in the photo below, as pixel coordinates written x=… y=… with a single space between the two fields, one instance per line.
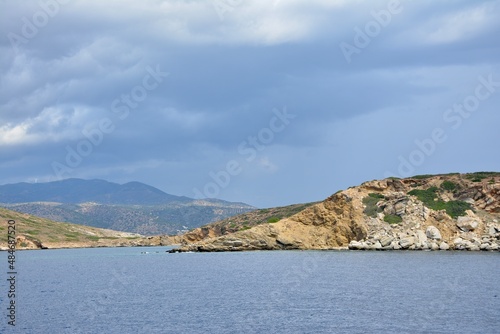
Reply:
x=38 y=230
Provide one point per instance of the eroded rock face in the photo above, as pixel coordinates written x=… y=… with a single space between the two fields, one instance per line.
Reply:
x=467 y=224
x=407 y=242
x=433 y=233
x=340 y=222
x=24 y=242
x=444 y=246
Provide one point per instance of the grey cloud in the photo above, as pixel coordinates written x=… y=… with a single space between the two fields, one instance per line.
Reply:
x=226 y=77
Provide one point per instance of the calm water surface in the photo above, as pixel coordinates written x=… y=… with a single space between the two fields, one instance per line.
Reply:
x=123 y=290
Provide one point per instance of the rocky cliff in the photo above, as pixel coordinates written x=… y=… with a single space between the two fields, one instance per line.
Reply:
x=441 y=212
x=242 y=222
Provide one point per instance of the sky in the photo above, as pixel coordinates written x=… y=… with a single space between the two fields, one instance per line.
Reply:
x=267 y=102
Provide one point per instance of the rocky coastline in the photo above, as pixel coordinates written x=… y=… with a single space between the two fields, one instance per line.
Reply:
x=442 y=212
x=24 y=243
x=431 y=240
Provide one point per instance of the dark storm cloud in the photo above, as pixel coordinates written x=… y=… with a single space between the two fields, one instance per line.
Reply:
x=225 y=77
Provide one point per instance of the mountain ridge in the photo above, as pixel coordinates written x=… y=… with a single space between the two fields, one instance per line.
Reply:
x=130 y=207
x=74 y=190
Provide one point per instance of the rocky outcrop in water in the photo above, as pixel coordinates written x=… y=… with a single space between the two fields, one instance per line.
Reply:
x=443 y=212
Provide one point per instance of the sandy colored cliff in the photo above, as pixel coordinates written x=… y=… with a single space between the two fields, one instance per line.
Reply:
x=456 y=211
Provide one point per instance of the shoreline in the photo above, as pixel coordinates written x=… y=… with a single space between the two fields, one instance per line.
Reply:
x=181 y=250
x=339 y=249
x=52 y=247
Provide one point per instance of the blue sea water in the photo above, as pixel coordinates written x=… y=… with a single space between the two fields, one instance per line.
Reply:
x=125 y=290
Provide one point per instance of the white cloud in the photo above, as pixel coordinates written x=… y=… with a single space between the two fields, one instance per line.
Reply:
x=51 y=125
x=257 y=22
x=450 y=26
x=460 y=25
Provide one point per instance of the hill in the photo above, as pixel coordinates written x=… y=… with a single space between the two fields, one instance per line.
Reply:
x=131 y=207
x=172 y=218
x=73 y=191
x=35 y=233
x=452 y=211
x=242 y=222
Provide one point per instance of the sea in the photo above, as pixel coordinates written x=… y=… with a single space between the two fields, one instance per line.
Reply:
x=147 y=290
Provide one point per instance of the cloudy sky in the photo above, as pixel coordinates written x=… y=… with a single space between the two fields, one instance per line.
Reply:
x=268 y=102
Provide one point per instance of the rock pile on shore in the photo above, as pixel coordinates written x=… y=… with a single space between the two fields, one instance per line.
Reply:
x=417 y=239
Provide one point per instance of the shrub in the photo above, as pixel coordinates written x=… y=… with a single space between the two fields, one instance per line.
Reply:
x=479 y=176
x=376 y=195
x=371 y=208
x=393 y=219
x=448 y=185
x=422 y=177
x=245 y=227
x=273 y=220
x=457 y=208
x=426 y=196
x=429 y=197
x=428 y=176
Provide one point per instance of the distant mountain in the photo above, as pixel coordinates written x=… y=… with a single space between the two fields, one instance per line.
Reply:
x=73 y=191
x=131 y=207
x=170 y=218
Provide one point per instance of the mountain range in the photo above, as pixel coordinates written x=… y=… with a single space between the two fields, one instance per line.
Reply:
x=131 y=207
x=425 y=212
x=74 y=191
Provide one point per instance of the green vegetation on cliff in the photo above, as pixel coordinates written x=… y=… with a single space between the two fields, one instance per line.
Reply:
x=393 y=219
x=448 y=185
x=429 y=176
x=431 y=200
x=480 y=176
x=370 y=202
